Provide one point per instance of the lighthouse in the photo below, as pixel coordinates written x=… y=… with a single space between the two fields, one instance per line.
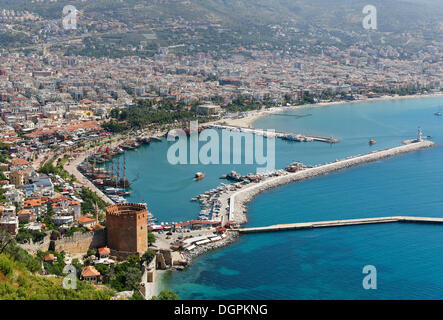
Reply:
x=419 y=135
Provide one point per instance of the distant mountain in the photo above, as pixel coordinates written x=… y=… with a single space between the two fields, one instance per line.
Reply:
x=394 y=15
x=220 y=24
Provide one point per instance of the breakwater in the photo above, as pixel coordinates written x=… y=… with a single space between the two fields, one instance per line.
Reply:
x=274 y=134
x=238 y=199
x=339 y=223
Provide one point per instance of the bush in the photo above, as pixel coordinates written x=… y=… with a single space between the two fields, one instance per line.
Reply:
x=6 y=266
x=148 y=256
x=21 y=255
x=166 y=295
x=151 y=238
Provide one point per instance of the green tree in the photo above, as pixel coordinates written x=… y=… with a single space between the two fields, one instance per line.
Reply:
x=148 y=256
x=166 y=295
x=151 y=238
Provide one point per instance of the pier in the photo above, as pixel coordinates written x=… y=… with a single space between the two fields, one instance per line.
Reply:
x=237 y=200
x=276 y=134
x=339 y=223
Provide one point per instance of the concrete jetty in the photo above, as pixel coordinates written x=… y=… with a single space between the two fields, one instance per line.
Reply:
x=339 y=223
x=238 y=199
x=274 y=134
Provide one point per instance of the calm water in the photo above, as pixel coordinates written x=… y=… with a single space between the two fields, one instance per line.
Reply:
x=323 y=263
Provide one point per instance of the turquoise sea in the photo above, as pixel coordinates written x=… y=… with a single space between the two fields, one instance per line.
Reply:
x=322 y=263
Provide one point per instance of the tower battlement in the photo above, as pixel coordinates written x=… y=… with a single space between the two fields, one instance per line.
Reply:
x=127 y=227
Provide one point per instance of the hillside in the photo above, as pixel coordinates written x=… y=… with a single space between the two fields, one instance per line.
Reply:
x=109 y=27
x=394 y=14
x=17 y=282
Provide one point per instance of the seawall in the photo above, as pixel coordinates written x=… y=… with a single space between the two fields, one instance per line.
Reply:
x=339 y=223
x=238 y=199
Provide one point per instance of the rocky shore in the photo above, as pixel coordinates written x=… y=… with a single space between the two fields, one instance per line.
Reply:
x=231 y=236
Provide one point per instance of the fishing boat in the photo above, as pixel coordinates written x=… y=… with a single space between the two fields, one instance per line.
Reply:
x=294 y=167
x=199 y=175
x=235 y=176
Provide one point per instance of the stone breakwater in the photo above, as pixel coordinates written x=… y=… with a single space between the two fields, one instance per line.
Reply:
x=235 y=203
x=230 y=237
x=239 y=199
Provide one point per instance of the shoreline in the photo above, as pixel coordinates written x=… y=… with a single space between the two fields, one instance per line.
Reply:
x=252 y=116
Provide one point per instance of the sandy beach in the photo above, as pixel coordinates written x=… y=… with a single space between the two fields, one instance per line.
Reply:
x=251 y=116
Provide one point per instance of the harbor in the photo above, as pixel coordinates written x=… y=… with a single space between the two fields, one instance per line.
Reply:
x=223 y=208
x=97 y=169
x=226 y=204
x=201 y=253
x=237 y=200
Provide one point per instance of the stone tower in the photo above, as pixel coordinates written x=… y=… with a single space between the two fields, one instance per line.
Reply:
x=127 y=227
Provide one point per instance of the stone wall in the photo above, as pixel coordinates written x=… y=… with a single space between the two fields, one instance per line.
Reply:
x=78 y=243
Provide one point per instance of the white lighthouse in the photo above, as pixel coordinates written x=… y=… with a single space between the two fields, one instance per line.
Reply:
x=419 y=135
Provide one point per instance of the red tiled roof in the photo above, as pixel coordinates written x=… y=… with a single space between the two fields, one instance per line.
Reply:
x=23 y=211
x=84 y=219
x=59 y=199
x=32 y=203
x=90 y=271
x=19 y=162
x=104 y=251
x=49 y=257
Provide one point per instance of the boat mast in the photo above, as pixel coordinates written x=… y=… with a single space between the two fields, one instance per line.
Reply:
x=118 y=173
x=94 y=164
x=124 y=171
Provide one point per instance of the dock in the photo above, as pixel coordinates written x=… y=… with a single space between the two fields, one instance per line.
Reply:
x=339 y=223
x=275 y=134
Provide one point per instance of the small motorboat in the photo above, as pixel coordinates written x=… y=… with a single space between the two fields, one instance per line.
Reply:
x=199 y=175
x=438 y=113
x=372 y=141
